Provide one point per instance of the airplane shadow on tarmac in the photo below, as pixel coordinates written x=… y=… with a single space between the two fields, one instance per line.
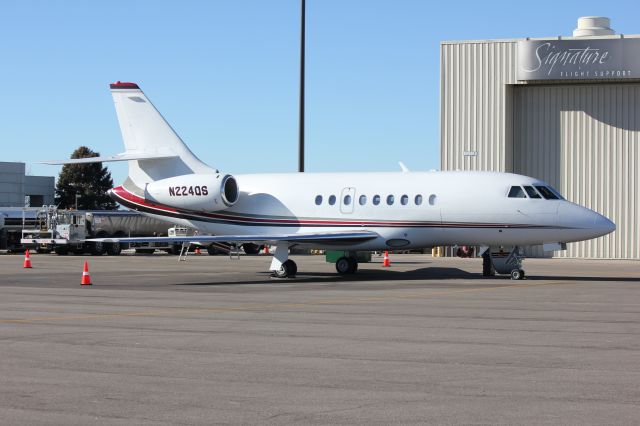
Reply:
x=434 y=275
x=422 y=274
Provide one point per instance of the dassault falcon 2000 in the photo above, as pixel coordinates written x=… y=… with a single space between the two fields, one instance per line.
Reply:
x=351 y=212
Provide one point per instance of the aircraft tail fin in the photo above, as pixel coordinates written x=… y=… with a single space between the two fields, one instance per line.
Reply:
x=155 y=149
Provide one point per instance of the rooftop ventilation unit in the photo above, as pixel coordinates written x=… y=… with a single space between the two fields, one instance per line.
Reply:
x=593 y=26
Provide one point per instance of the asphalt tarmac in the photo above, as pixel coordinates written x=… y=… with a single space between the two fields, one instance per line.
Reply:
x=216 y=341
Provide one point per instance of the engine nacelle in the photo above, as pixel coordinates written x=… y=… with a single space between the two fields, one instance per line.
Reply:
x=195 y=192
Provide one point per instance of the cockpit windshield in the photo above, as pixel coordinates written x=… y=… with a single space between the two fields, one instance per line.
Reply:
x=516 y=192
x=557 y=193
x=534 y=191
x=547 y=193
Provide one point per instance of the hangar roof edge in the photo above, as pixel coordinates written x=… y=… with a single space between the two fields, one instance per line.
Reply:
x=514 y=40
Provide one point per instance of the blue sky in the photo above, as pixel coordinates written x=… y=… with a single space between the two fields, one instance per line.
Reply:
x=225 y=75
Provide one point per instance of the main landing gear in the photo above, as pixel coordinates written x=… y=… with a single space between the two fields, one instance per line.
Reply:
x=281 y=265
x=498 y=260
x=287 y=270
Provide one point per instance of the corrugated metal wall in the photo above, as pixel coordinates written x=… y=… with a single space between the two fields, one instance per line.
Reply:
x=474 y=107
x=581 y=138
x=584 y=140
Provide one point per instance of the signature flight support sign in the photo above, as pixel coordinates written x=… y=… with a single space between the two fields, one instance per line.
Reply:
x=579 y=59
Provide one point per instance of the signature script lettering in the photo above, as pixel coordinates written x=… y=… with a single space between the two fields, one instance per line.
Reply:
x=548 y=56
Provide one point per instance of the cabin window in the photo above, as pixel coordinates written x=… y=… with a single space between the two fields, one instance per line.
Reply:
x=376 y=200
x=332 y=199
x=516 y=192
x=418 y=200
x=346 y=200
x=432 y=199
x=390 y=199
x=531 y=192
x=363 y=200
x=404 y=200
x=318 y=200
x=546 y=193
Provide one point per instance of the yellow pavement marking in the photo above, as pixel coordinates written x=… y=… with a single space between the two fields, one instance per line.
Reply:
x=263 y=307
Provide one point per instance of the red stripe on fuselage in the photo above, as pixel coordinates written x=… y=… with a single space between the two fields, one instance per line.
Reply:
x=126 y=195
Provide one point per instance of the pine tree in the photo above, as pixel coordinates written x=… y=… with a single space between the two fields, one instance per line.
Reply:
x=89 y=181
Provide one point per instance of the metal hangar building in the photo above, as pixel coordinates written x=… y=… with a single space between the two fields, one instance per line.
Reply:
x=18 y=189
x=563 y=109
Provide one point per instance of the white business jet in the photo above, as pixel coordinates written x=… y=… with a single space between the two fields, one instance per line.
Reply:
x=351 y=212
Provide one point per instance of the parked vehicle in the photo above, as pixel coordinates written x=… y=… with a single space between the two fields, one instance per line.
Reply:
x=66 y=231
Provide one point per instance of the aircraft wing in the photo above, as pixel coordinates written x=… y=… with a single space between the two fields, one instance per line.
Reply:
x=311 y=237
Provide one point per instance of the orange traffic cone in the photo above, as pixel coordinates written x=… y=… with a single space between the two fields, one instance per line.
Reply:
x=385 y=259
x=86 y=278
x=198 y=250
x=27 y=260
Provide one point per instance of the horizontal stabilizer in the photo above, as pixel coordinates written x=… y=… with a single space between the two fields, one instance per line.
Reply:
x=125 y=156
x=319 y=237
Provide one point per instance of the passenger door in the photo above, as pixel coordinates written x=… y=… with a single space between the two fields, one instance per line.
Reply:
x=347 y=200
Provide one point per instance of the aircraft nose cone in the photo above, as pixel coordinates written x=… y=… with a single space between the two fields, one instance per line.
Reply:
x=582 y=223
x=603 y=224
x=575 y=216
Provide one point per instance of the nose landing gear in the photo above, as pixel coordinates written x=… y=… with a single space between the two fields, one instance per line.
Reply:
x=498 y=260
x=517 y=274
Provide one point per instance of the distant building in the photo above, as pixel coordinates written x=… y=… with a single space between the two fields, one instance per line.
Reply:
x=562 y=109
x=17 y=189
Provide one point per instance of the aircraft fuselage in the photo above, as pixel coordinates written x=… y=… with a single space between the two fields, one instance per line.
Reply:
x=407 y=209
